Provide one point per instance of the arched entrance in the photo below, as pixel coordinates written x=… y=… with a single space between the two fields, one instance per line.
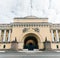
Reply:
x=30 y=43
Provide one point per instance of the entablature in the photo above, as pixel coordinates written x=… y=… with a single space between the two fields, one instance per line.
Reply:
x=55 y=26
x=30 y=24
x=5 y=26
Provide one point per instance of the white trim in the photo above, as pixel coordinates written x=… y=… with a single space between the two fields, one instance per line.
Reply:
x=30 y=51
x=2 y=51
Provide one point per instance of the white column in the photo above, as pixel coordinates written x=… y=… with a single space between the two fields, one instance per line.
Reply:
x=0 y=32
x=0 y=35
x=4 y=36
x=57 y=36
x=9 y=35
x=52 y=35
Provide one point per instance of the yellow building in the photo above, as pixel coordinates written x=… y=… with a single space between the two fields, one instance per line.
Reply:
x=30 y=33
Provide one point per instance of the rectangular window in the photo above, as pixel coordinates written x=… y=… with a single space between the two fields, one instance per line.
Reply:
x=57 y=46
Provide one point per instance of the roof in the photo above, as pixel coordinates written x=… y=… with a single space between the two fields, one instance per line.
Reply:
x=29 y=17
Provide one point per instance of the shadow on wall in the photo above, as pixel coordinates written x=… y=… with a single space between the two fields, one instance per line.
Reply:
x=14 y=45
x=47 y=45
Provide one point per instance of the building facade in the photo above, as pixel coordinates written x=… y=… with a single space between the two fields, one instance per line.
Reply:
x=30 y=33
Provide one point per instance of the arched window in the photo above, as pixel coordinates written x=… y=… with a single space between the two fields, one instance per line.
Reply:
x=54 y=38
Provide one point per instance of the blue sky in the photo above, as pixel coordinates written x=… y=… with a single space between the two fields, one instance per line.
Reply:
x=21 y=8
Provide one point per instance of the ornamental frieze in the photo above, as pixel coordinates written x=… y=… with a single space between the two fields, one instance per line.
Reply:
x=27 y=29
x=36 y=29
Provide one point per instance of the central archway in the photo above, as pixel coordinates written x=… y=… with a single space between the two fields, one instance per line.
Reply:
x=30 y=43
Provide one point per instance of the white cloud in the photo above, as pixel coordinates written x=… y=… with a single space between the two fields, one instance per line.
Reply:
x=12 y=8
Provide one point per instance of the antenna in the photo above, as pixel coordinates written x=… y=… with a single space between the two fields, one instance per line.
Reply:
x=31 y=4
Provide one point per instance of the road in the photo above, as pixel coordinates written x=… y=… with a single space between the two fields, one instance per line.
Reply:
x=30 y=55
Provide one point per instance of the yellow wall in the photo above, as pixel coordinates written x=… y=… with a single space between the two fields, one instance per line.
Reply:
x=8 y=45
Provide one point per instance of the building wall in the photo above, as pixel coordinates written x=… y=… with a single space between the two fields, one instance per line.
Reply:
x=44 y=32
x=7 y=46
x=20 y=29
x=54 y=46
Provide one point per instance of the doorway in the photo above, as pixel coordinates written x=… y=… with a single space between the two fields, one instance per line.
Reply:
x=30 y=43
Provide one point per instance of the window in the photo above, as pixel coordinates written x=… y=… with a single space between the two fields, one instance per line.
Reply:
x=50 y=31
x=57 y=46
x=7 y=39
x=54 y=38
x=4 y=46
x=11 y=31
x=59 y=39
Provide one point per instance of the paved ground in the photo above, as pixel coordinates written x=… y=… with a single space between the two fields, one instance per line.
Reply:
x=30 y=55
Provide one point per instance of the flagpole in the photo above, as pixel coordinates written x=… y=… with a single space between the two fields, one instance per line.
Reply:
x=31 y=7
x=49 y=4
